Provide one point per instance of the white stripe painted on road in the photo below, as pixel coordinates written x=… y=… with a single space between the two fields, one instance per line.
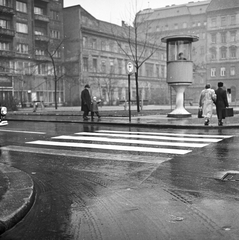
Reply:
x=110 y=147
x=168 y=134
x=131 y=141
x=90 y=155
x=151 y=137
x=18 y=131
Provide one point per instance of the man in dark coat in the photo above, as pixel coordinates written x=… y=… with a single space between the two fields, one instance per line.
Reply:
x=85 y=101
x=221 y=102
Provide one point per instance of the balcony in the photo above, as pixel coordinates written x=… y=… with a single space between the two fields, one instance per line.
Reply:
x=8 y=54
x=42 y=38
x=6 y=10
x=42 y=58
x=7 y=32
x=42 y=18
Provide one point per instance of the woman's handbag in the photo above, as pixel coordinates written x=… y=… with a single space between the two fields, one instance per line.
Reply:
x=200 y=113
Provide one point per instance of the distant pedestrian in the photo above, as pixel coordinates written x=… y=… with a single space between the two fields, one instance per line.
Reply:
x=221 y=102
x=95 y=108
x=207 y=99
x=85 y=101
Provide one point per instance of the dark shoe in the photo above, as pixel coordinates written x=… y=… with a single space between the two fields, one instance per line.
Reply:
x=206 y=122
x=99 y=116
x=220 y=123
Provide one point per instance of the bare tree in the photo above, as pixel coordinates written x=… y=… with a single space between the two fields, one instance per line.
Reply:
x=137 y=43
x=54 y=48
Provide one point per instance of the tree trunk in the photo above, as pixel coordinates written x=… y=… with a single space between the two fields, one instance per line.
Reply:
x=137 y=89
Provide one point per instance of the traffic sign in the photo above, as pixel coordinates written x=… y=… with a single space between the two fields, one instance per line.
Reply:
x=130 y=67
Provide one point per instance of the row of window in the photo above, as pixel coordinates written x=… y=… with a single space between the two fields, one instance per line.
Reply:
x=223 y=21
x=224 y=37
x=222 y=71
x=223 y=51
x=23 y=28
x=113 y=46
x=27 y=68
x=179 y=26
x=112 y=67
x=22 y=7
x=24 y=49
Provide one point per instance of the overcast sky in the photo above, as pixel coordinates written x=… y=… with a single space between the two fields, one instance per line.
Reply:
x=114 y=11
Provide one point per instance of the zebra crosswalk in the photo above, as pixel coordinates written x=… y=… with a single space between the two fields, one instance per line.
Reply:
x=127 y=141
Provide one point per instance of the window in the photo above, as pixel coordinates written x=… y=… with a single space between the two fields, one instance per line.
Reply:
x=213 y=38
x=4 y=24
x=22 y=48
x=103 y=67
x=185 y=25
x=175 y=26
x=166 y=28
x=55 y=34
x=213 y=53
x=94 y=65
x=112 y=67
x=94 y=44
x=57 y=54
x=103 y=45
x=40 y=52
x=21 y=7
x=199 y=24
x=85 y=64
x=84 y=42
x=233 y=52
x=223 y=53
x=223 y=37
x=120 y=66
x=3 y=2
x=232 y=71
x=163 y=72
x=38 y=11
x=21 y=27
x=223 y=21
x=223 y=71
x=213 y=22
x=213 y=72
x=233 y=36
x=233 y=20
x=26 y=68
x=55 y=15
x=4 y=46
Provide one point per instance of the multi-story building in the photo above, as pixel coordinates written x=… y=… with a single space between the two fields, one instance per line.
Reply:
x=186 y=19
x=95 y=54
x=223 y=45
x=31 y=33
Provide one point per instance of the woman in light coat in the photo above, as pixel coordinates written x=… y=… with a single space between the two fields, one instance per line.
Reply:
x=207 y=99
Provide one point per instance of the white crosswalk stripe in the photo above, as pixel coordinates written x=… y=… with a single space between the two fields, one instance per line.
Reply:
x=156 y=142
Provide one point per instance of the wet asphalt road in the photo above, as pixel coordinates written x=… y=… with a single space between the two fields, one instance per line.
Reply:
x=107 y=194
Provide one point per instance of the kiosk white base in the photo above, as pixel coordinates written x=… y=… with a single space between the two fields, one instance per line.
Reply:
x=179 y=111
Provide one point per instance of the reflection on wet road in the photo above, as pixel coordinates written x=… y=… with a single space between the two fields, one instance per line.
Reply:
x=90 y=192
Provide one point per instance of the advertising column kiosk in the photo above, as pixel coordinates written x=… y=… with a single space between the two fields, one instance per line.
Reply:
x=179 y=69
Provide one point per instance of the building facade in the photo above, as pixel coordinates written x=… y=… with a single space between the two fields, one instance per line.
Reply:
x=96 y=53
x=31 y=55
x=223 y=45
x=186 y=19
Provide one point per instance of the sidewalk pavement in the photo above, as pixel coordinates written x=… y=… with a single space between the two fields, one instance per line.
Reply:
x=154 y=116
x=17 y=188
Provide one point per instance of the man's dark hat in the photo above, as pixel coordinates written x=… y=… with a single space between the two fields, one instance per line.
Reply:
x=220 y=84
x=87 y=86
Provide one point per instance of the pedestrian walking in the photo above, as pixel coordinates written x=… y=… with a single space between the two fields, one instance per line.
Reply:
x=207 y=99
x=85 y=101
x=95 y=108
x=221 y=102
